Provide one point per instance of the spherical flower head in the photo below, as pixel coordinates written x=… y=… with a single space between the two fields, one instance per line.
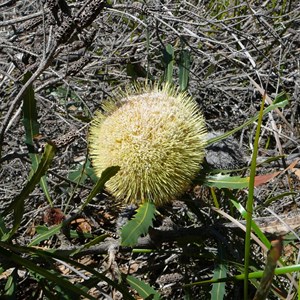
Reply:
x=157 y=138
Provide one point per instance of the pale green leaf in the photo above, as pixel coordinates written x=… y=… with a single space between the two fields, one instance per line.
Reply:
x=250 y=121
x=225 y=181
x=218 y=289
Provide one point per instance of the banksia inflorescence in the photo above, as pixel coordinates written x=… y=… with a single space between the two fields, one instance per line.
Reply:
x=156 y=136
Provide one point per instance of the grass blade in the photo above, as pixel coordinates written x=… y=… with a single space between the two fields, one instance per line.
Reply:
x=249 y=205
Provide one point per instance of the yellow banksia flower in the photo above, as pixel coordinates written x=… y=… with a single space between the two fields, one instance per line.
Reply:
x=157 y=138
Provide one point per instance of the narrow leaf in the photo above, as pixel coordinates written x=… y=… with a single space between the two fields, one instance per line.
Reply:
x=105 y=176
x=144 y=290
x=168 y=59
x=255 y=227
x=139 y=225
x=220 y=271
x=30 y=115
x=50 y=276
x=250 y=200
x=57 y=254
x=225 y=181
x=184 y=69
x=31 y=125
x=218 y=290
x=250 y=121
x=45 y=234
x=252 y=275
x=18 y=203
x=11 y=285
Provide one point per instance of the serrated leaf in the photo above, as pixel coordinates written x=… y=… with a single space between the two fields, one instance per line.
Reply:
x=17 y=204
x=144 y=290
x=225 y=181
x=184 y=69
x=139 y=225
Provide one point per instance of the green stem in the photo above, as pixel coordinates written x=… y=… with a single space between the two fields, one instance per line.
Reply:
x=249 y=206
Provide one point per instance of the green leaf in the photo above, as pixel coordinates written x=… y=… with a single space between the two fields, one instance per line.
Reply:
x=105 y=176
x=31 y=125
x=254 y=226
x=250 y=121
x=252 y=275
x=220 y=271
x=184 y=69
x=93 y=242
x=78 y=176
x=49 y=275
x=218 y=289
x=283 y=96
x=11 y=285
x=44 y=233
x=168 y=60
x=50 y=255
x=139 y=225
x=225 y=181
x=30 y=114
x=83 y=171
x=144 y=290
x=18 y=203
x=3 y=229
